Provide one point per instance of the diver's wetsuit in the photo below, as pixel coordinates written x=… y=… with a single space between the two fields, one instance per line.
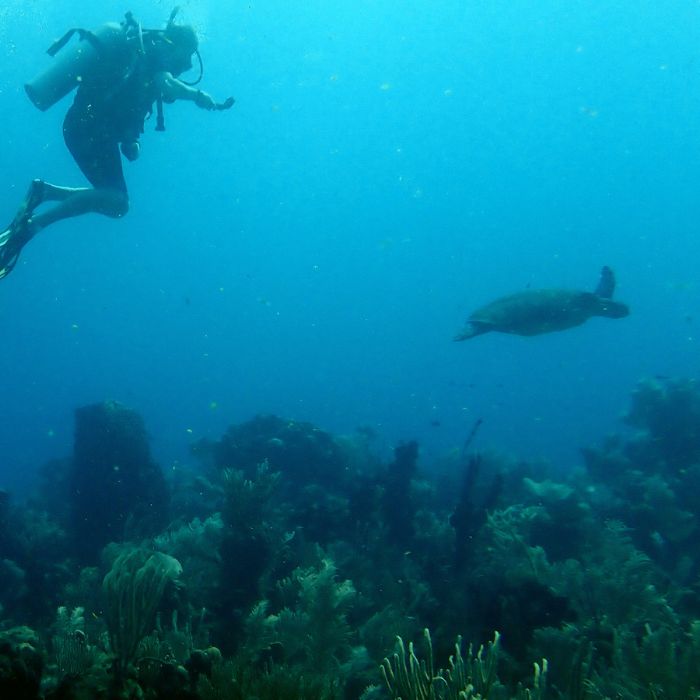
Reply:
x=94 y=144
x=102 y=118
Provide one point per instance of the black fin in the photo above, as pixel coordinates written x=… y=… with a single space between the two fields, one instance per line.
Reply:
x=606 y=284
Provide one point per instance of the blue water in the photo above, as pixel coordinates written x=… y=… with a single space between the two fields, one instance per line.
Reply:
x=388 y=167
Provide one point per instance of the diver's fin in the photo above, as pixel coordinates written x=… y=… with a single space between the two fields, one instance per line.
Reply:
x=606 y=284
x=12 y=240
x=9 y=255
x=5 y=237
x=18 y=233
x=9 y=265
x=33 y=198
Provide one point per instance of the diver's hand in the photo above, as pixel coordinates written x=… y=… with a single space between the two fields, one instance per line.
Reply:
x=226 y=104
x=131 y=150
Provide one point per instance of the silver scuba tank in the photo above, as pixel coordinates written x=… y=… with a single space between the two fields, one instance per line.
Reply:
x=78 y=63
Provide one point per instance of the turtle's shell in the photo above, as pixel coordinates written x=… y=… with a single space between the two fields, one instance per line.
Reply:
x=536 y=311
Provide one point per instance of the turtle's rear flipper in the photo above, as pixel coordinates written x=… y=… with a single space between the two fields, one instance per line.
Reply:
x=606 y=284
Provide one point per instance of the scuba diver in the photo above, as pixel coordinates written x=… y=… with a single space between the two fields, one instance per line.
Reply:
x=121 y=71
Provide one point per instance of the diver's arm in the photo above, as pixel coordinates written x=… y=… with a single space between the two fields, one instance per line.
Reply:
x=173 y=89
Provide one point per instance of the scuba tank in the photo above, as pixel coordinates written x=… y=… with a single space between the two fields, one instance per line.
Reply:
x=103 y=59
x=78 y=63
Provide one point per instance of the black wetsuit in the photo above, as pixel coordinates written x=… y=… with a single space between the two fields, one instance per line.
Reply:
x=103 y=117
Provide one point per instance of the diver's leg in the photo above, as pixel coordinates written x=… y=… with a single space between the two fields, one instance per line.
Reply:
x=94 y=146
x=38 y=193
x=57 y=193
x=110 y=202
x=76 y=202
x=100 y=161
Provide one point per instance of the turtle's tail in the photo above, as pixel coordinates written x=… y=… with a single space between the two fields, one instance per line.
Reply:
x=606 y=284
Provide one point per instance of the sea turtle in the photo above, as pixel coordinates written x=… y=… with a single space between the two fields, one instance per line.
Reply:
x=538 y=311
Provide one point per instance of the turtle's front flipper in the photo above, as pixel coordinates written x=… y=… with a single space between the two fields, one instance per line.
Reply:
x=606 y=284
x=470 y=330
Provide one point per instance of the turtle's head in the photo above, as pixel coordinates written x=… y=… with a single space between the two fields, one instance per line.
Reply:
x=612 y=309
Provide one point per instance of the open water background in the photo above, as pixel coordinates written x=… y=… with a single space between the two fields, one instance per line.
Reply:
x=388 y=167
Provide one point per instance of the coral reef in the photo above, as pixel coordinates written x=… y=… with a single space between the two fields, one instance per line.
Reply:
x=294 y=558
